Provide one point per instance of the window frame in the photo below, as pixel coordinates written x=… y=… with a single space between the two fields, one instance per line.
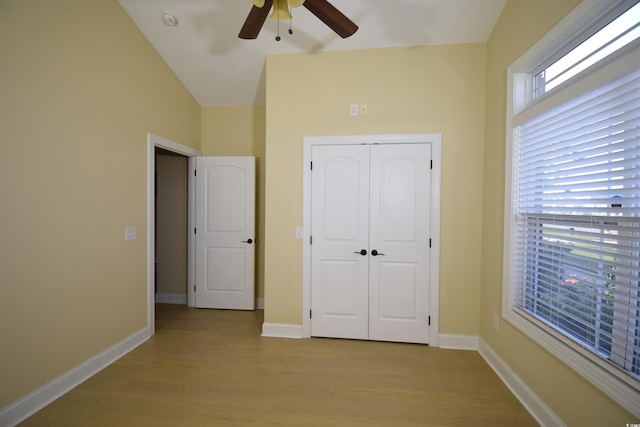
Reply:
x=583 y=21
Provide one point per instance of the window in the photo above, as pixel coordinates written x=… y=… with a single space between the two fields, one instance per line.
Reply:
x=577 y=201
x=612 y=37
x=572 y=248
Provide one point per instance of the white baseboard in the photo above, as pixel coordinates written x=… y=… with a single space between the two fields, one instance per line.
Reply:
x=259 y=303
x=458 y=342
x=171 y=299
x=536 y=407
x=31 y=403
x=281 y=330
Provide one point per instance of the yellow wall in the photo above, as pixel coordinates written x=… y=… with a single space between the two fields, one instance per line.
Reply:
x=80 y=87
x=438 y=89
x=240 y=131
x=578 y=403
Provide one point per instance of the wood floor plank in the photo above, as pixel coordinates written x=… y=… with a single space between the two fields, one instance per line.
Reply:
x=212 y=368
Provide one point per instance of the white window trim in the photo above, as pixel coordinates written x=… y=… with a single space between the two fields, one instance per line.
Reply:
x=620 y=387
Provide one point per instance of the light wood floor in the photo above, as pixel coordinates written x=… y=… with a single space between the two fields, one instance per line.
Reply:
x=212 y=368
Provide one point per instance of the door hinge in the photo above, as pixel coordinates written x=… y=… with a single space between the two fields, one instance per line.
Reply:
x=431 y=166
x=429 y=320
x=311 y=240
x=195 y=230
x=429 y=242
x=195 y=172
x=194 y=288
x=309 y=314
x=311 y=165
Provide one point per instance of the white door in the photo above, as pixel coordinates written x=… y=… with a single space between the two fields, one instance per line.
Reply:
x=399 y=242
x=340 y=231
x=225 y=240
x=370 y=249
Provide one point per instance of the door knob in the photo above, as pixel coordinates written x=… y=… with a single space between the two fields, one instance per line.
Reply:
x=362 y=252
x=376 y=253
x=249 y=241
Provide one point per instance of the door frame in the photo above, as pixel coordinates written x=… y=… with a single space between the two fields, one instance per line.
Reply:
x=154 y=141
x=435 y=139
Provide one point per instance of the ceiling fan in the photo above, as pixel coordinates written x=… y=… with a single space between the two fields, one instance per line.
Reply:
x=322 y=9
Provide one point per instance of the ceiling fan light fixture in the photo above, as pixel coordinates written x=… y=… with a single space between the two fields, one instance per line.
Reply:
x=280 y=11
x=322 y=9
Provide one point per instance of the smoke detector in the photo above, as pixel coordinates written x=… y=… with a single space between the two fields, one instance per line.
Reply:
x=169 y=20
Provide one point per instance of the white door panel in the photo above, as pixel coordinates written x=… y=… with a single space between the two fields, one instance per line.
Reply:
x=224 y=269
x=340 y=231
x=397 y=289
x=225 y=253
x=228 y=185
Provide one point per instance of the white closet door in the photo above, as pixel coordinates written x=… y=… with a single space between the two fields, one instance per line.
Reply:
x=340 y=231
x=370 y=251
x=399 y=234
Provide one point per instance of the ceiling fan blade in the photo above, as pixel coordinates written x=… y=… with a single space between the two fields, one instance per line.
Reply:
x=255 y=21
x=331 y=16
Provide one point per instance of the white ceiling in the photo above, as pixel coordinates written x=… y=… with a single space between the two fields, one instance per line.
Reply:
x=219 y=69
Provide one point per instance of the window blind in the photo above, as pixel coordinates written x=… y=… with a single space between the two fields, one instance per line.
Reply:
x=577 y=206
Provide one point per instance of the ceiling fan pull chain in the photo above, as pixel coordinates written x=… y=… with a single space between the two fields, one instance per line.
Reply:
x=290 y=18
x=278 y=20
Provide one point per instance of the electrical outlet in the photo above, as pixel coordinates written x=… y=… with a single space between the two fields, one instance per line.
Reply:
x=364 y=109
x=496 y=322
x=354 y=109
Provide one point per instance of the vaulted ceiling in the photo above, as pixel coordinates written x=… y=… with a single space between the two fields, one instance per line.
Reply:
x=219 y=69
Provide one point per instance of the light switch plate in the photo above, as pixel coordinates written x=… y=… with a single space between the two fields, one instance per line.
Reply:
x=130 y=233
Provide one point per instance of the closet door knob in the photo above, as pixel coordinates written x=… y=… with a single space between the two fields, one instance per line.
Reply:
x=376 y=253
x=362 y=252
x=249 y=241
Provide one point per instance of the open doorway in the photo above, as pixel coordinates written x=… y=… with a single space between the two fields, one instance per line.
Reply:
x=171 y=222
x=170 y=149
